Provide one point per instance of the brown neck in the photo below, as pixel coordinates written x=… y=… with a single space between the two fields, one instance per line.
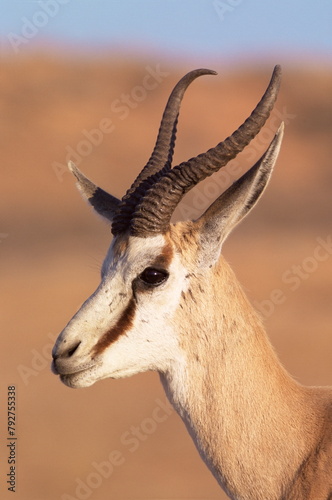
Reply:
x=251 y=422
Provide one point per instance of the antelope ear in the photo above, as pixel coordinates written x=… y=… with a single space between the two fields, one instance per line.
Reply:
x=234 y=204
x=105 y=204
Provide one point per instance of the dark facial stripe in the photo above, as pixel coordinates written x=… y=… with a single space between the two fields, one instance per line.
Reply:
x=123 y=324
x=126 y=319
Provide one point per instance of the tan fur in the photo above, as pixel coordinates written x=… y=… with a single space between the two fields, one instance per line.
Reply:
x=264 y=436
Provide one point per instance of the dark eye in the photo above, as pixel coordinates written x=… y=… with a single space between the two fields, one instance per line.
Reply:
x=153 y=277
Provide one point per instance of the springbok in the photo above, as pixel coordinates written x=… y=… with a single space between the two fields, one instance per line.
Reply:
x=169 y=302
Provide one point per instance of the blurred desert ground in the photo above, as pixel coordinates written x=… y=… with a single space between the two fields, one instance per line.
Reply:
x=52 y=246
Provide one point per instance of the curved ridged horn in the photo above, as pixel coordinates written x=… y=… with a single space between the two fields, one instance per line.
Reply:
x=153 y=213
x=161 y=157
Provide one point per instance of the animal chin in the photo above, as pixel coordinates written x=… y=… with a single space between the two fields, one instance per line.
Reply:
x=83 y=377
x=78 y=380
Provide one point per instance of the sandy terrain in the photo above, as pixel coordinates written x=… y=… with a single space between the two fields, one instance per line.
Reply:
x=85 y=443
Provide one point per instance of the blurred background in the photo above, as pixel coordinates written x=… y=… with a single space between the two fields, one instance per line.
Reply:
x=87 y=81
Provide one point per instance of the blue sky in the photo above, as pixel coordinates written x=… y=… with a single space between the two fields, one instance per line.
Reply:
x=195 y=29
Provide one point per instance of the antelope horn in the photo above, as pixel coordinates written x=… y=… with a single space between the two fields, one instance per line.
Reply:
x=161 y=158
x=152 y=214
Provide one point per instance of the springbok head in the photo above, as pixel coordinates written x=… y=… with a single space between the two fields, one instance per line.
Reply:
x=131 y=322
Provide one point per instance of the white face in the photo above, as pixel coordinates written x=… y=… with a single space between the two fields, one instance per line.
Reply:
x=127 y=325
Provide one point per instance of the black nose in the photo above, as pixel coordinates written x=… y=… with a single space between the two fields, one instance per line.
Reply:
x=73 y=349
x=60 y=356
x=68 y=353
